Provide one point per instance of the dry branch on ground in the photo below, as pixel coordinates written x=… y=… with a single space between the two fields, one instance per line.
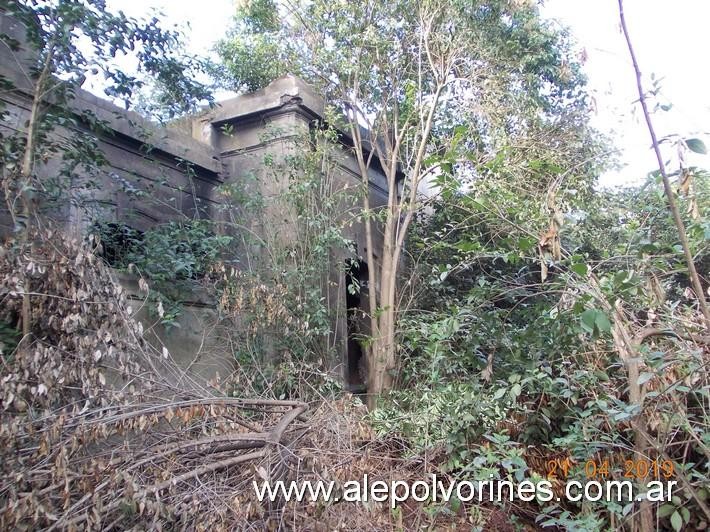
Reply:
x=95 y=435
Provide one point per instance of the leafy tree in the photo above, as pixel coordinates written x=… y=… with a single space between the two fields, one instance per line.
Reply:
x=423 y=88
x=71 y=40
x=252 y=56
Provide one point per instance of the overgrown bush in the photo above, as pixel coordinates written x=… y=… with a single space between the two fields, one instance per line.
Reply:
x=506 y=327
x=279 y=297
x=172 y=258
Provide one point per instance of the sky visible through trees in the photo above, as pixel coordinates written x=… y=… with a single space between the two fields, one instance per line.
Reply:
x=670 y=39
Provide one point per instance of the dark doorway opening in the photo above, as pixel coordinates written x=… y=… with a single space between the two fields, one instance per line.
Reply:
x=355 y=293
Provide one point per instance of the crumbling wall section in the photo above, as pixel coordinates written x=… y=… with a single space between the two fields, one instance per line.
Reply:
x=154 y=174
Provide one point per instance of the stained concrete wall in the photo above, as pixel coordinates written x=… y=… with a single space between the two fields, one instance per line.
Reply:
x=145 y=179
x=271 y=123
x=157 y=174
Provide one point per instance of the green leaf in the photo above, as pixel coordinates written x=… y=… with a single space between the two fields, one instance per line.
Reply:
x=526 y=244
x=676 y=521
x=455 y=504
x=666 y=510
x=601 y=375
x=696 y=145
x=579 y=268
x=621 y=416
x=602 y=322
x=623 y=277
x=467 y=246
x=595 y=321
x=588 y=318
x=685 y=513
x=500 y=392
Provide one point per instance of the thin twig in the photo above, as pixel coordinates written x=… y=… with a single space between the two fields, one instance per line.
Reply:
x=680 y=226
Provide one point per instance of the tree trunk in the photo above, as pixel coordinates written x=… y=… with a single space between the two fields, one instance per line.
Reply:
x=25 y=180
x=672 y=205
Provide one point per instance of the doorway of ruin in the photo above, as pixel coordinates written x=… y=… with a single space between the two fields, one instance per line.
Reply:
x=356 y=293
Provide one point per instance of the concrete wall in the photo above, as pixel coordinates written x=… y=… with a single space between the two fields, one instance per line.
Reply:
x=199 y=344
x=144 y=180
x=157 y=174
x=268 y=123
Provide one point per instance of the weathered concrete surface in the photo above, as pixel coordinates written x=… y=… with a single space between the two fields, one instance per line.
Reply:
x=157 y=174
x=198 y=343
x=268 y=124
x=145 y=177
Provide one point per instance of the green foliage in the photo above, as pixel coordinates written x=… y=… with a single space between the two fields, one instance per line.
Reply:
x=524 y=63
x=177 y=251
x=170 y=257
x=67 y=42
x=487 y=330
x=77 y=39
x=452 y=416
x=280 y=297
x=251 y=54
x=595 y=322
x=169 y=252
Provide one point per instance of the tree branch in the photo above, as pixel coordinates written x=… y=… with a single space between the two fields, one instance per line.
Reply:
x=683 y=237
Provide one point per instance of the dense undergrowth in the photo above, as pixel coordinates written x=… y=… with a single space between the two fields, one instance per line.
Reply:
x=101 y=430
x=511 y=373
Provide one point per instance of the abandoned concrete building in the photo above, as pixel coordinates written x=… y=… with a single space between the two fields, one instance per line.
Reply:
x=180 y=175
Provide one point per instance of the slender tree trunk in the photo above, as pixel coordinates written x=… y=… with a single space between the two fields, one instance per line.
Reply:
x=682 y=235
x=373 y=382
x=645 y=518
x=26 y=206
x=382 y=355
x=628 y=350
x=25 y=180
x=382 y=363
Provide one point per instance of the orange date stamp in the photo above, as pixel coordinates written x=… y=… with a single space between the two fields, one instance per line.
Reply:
x=638 y=469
